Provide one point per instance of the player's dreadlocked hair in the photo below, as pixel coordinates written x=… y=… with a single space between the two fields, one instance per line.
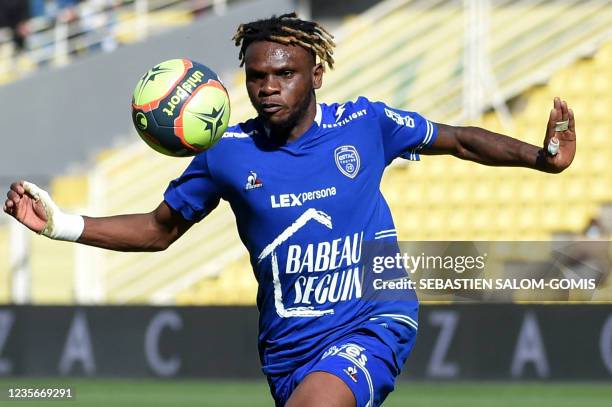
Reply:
x=287 y=29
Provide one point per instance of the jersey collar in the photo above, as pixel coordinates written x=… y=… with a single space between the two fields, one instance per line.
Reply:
x=318 y=115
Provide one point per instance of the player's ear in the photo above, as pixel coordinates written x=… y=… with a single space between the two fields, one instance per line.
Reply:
x=317 y=75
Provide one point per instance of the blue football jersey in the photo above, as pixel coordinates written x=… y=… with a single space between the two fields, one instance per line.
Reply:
x=304 y=211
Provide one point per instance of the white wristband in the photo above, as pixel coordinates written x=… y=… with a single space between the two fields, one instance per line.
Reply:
x=60 y=226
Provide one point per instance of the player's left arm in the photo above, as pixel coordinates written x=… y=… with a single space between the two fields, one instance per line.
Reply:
x=489 y=148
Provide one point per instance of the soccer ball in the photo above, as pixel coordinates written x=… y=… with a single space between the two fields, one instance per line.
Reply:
x=180 y=108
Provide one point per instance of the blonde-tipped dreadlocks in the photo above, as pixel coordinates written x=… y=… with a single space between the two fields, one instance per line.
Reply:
x=290 y=30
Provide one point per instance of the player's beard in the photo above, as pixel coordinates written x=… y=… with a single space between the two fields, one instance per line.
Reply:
x=280 y=131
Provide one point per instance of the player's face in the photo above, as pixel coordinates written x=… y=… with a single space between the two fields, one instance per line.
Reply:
x=280 y=81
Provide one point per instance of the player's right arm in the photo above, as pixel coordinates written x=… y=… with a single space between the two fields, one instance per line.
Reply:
x=153 y=231
x=147 y=232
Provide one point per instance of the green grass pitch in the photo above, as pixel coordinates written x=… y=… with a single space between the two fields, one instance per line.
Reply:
x=183 y=393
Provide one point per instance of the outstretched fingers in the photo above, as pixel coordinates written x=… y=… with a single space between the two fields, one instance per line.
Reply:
x=552 y=119
x=556 y=115
x=557 y=107
x=564 y=111
x=568 y=134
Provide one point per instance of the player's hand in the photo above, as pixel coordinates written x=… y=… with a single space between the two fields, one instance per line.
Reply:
x=23 y=207
x=566 y=139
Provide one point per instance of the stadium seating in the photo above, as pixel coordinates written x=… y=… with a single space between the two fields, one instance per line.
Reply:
x=122 y=24
x=440 y=198
x=443 y=198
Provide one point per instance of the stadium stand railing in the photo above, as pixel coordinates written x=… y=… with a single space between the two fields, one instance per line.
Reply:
x=441 y=198
x=5 y=277
x=97 y=26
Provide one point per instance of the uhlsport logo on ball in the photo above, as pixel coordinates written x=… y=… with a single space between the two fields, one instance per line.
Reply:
x=180 y=108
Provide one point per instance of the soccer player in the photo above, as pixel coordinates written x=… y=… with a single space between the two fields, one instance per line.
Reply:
x=303 y=181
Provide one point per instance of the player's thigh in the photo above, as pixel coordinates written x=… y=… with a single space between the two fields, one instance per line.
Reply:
x=361 y=361
x=321 y=389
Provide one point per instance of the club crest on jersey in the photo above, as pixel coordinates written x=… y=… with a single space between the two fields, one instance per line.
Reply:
x=252 y=181
x=347 y=160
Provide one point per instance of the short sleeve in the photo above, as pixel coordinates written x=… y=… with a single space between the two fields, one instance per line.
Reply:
x=194 y=194
x=404 y=133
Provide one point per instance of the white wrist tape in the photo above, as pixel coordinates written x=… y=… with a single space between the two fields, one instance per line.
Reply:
x=60 y=226
x=562 y=126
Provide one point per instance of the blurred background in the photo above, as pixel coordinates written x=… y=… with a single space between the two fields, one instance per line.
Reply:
x=67 y=71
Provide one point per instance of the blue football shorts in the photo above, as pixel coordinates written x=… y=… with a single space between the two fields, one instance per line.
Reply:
x=360 y=359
